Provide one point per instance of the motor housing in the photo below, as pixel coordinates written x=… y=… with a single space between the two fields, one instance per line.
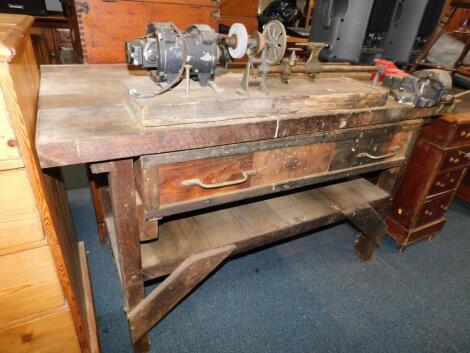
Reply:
x=165 y=51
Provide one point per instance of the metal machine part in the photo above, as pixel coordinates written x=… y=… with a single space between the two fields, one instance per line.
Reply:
x=272 y=44
x=424 y=88
x=276 y=41
x=342 y=25
x=165 y=51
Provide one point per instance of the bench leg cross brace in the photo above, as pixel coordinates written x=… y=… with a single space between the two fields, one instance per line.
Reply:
x=173 y=289
x=372 y=227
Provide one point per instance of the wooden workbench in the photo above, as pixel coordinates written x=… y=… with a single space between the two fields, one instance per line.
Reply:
x=193 y=180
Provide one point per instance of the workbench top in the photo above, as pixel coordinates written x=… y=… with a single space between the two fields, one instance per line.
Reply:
x=86 y=114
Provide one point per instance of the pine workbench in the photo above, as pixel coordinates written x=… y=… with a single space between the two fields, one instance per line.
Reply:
x=190 y=181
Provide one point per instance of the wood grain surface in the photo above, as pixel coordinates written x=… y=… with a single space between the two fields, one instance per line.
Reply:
x=83 y=118
x=250 y=225
x=104 y=29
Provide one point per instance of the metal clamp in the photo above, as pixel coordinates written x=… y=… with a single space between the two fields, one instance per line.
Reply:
x=382 y=156
x=198 y=182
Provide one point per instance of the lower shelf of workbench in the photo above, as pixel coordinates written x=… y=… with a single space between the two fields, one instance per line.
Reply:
x=254 y=224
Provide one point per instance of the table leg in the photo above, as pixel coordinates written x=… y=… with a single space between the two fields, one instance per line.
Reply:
x=123 y=201
x=372 y=226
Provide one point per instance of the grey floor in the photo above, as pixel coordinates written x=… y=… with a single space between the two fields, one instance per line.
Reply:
x=307 y=295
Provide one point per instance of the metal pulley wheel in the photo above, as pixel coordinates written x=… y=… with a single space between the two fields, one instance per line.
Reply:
x=239 y=31
x=276 y=42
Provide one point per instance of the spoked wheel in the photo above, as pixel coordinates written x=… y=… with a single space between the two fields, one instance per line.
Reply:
x=276 y=42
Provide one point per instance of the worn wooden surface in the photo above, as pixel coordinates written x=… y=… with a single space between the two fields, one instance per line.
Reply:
x=106 y=25
x=83 y=118
x=274 y=165
x=301 y=95
x=52 y=273
x=126 y=226
x=254 y=224
x=435 y=171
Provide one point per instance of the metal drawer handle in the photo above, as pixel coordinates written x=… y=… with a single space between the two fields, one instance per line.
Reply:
x=464 y=154
x=198 y=182
x=382 y=156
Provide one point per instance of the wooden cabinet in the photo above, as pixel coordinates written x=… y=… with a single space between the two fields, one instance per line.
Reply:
x=105 y=26
x=239 y=11
x=464 y=189
x=55 y=40
x=43 y=273
x=437 y=166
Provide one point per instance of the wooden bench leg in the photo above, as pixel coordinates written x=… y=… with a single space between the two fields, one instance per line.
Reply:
x=173 y=289
x=123 y=201
x=95 y=181
x=372 y=227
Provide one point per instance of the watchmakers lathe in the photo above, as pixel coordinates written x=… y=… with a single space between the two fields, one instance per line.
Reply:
x=168 y=53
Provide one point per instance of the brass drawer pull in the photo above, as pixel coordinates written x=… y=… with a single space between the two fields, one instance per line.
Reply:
x=464 y=154
x=198 y=182
x=382 y=156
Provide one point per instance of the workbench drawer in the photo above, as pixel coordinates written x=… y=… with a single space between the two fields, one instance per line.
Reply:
x=181 y=181
x=446 y=181
x=434 y=209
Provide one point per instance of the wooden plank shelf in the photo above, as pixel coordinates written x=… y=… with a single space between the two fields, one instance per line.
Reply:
x=255 y=224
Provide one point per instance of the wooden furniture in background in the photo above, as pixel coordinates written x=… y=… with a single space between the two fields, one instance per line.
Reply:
x=239 y=11
x=308 y=14
x=106 y=25
x=44 y=305
x=453 y=6
x=438 y=163
x=56 y=39
x=464 y=190
x=185 y=191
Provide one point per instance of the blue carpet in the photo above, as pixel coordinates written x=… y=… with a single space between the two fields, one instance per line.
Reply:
x=307 y=295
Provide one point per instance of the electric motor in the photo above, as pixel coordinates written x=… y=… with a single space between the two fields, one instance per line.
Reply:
x=165 y=51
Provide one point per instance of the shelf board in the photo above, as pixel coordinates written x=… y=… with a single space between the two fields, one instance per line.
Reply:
x=255 y=224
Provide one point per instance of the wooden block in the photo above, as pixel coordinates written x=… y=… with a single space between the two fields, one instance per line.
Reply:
x=205 y=105
x=28 y=285
x=20 y=225
x=52 y=333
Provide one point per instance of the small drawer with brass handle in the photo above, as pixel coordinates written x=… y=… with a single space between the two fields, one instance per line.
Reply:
x=198 y=182
x=185 y=185
x=463 y=135
x=433 y=209
x=394 y=151
x=456 y=158
x=445 y=181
